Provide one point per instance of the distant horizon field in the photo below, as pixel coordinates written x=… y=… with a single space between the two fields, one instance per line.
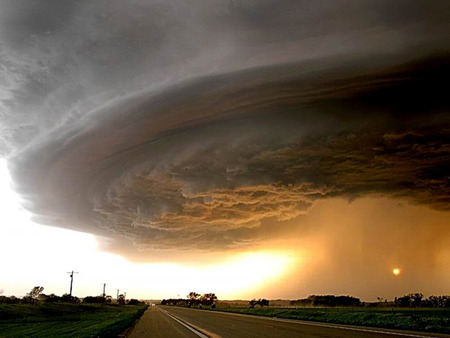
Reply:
x=432 y=320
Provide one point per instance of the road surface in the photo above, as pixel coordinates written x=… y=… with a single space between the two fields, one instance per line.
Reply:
x=173 y=322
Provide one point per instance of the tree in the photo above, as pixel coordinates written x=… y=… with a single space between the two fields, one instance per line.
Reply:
x=260 y=302
x=193 y=295
x=135 y=302
x=121 y=299
x=94 y=300
x=193 y=299
x=67 y=298
x=33 y=295
x=9 y=300
x=208 y=299
x=416 y=299
x=331 y=300
x=52 y=298
x=412 y=299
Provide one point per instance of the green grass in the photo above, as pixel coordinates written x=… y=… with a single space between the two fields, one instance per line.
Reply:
x=421 y=319
x=66 y=320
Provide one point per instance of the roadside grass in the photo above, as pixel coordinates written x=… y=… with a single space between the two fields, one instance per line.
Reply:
x=420 y=319
x=67 y=320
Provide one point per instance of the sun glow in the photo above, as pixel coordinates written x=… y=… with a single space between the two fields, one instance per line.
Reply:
x=57 y=251
x=239 y=276
x=396 y=271
x=251 y=270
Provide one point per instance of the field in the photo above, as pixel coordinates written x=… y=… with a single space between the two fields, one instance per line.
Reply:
x=66 y=320
x=420 y=319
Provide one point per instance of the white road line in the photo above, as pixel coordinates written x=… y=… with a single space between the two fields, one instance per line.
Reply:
x=198 y=333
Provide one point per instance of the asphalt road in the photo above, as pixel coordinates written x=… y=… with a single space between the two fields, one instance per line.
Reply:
x=155 y=323
x=165 y=321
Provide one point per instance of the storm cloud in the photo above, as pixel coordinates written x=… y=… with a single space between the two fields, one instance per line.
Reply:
x=176 y=125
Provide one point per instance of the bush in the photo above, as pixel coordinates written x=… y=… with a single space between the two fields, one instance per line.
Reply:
x=94 y=300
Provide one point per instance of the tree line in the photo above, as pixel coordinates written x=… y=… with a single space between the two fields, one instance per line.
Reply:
x=36 y=296
x=409 y=300
x=261 y=302
x=327 y=300
x=417 y=300
x=193 y=299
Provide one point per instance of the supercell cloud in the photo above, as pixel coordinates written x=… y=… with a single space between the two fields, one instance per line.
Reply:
x=192 y=125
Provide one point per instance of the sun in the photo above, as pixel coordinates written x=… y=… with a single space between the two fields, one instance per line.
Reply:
x=396 y=271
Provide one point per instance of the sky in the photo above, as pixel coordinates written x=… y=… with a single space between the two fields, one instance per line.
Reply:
x=270 y=149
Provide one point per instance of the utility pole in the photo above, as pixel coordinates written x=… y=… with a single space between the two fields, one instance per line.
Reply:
x=104 y=293
x=71 y=281
x=117 y=293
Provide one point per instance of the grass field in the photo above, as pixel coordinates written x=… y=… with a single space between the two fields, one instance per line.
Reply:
x=66 y=320
x=420 y=319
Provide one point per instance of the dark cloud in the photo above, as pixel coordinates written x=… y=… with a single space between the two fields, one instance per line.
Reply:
x=202 y=164
x=174 y=124
x=61 y=61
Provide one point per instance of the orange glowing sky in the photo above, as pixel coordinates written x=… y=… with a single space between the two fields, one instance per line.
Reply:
x=337 y=248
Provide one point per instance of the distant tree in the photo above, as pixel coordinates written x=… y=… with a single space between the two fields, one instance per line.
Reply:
x=35 y=292
x=300 y=302
x=416 y=299
x=260 y=302
x=52 y=298
x=264 y=302
x=193 y=299
x=173 y=302
x=331 y=300
x=33 y=295
x=208 y=299
x=121 y=299
x=135 y=302
x=67 y=298
x=410 y=300
x=9 y=300
x=404 y=301
x=193 y=295
x=443 y=301
x=94 y=300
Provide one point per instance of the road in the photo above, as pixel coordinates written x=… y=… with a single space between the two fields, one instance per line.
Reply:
x=172 y=322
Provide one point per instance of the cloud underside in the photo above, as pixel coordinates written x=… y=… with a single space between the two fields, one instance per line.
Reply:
x=205 y=163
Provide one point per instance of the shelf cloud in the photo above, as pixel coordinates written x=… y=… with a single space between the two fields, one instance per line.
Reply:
x=176 y=125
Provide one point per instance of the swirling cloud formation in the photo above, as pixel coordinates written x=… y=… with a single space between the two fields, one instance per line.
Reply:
x=134 y=132
x=191 y=165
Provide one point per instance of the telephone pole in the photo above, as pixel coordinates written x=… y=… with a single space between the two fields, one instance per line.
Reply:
x=104 y=292
x=71 y=281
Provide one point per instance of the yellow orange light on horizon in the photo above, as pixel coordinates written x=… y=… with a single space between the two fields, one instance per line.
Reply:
x=249 y=271
x=396 y=271
x=237 y=275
